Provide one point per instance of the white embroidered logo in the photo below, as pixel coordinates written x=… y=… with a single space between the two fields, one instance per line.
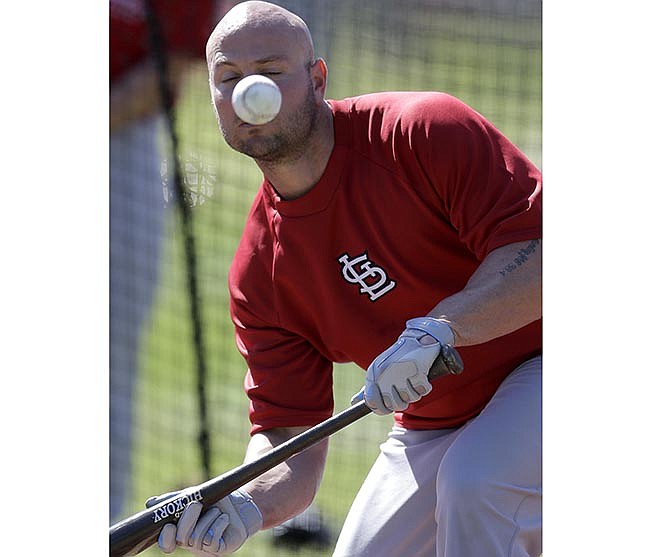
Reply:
x=371 y=279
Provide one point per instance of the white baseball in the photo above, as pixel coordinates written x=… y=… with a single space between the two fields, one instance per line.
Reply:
x=256 y=99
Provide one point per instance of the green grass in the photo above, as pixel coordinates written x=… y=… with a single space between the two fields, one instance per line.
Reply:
x=500 y=79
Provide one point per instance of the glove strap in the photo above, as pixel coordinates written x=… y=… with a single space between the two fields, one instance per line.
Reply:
x=436 y=328
x=248 y=511
x=442 y=333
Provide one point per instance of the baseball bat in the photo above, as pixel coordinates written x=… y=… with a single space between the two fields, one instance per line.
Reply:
x=140 y=531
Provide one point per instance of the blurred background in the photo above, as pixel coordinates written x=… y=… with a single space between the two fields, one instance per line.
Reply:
x=179 y=197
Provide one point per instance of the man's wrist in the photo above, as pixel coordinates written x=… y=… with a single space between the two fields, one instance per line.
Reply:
x=248 y=510
x=439 y=329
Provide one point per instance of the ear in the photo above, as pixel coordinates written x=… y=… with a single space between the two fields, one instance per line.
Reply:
x=319 y=74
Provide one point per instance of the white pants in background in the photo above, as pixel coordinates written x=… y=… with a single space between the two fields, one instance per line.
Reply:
x=474 y=491
x=137 y=212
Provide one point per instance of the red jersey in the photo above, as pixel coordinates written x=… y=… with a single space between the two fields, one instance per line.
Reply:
x=185 y=26
x=418 y=190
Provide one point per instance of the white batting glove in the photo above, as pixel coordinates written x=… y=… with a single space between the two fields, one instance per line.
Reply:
x=221 y=530
x=399 y=375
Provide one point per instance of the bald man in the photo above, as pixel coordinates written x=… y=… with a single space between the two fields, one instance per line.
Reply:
x=389 y=230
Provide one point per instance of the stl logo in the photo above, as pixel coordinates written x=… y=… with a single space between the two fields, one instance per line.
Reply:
x=371 y=279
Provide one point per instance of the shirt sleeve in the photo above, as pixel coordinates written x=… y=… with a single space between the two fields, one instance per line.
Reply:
x=490 y=191
x=288 y=382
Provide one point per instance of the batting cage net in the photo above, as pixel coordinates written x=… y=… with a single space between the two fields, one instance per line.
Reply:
x=179 y=197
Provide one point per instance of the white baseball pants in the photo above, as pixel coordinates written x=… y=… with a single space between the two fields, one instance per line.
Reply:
x=137 y=212
x=474 y=491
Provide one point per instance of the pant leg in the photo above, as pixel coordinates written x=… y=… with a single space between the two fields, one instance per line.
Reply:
x=136 y=226
x=489 y=484
x=393 y=514
x=429 y=494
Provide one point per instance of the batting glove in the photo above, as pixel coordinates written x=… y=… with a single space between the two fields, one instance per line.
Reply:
x=221 y=530
x=399 y=375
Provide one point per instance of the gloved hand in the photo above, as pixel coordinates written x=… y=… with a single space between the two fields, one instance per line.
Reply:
x=222 y=529
x=399 y=375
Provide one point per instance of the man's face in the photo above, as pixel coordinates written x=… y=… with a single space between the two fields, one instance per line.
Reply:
x=273 y=54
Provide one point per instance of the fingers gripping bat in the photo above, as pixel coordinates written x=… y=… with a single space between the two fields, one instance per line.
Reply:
x=140 y=531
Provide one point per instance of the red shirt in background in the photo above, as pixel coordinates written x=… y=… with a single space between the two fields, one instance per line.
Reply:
x=185 y=27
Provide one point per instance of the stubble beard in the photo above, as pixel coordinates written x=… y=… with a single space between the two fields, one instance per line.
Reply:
x=288 y=143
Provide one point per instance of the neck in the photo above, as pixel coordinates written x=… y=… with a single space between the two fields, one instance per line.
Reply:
x=294 y=178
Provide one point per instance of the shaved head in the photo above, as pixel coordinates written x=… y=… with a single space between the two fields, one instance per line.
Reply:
x=264 y=18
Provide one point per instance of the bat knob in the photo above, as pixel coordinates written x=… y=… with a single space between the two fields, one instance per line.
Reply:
x=448 y=362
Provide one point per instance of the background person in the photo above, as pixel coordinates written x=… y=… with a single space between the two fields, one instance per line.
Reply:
x=137 y=204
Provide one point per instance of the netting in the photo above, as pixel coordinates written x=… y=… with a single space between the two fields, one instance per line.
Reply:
x=486 y=52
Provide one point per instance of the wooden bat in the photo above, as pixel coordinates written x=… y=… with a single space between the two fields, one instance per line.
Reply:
x=140 y=531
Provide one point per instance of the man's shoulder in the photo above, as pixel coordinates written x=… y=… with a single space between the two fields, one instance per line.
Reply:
x=402 y=116
x=388 y=127
x=393 y=105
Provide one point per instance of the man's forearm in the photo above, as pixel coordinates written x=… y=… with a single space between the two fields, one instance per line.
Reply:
x=503 y=295
x=290 y=487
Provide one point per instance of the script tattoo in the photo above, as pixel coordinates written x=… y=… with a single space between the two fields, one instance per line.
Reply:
x=521 y=258
x=175 y=507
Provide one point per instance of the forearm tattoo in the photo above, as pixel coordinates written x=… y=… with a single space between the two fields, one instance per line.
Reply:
x=521 y=258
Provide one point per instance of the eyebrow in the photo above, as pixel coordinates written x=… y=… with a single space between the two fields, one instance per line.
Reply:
x=221 y=61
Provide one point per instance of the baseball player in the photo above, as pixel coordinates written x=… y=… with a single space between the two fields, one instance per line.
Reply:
x=389 y=229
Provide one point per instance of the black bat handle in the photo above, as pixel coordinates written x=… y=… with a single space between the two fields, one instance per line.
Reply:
x=140 y=531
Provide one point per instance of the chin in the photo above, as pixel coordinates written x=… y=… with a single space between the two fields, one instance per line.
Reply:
x=259 y=148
